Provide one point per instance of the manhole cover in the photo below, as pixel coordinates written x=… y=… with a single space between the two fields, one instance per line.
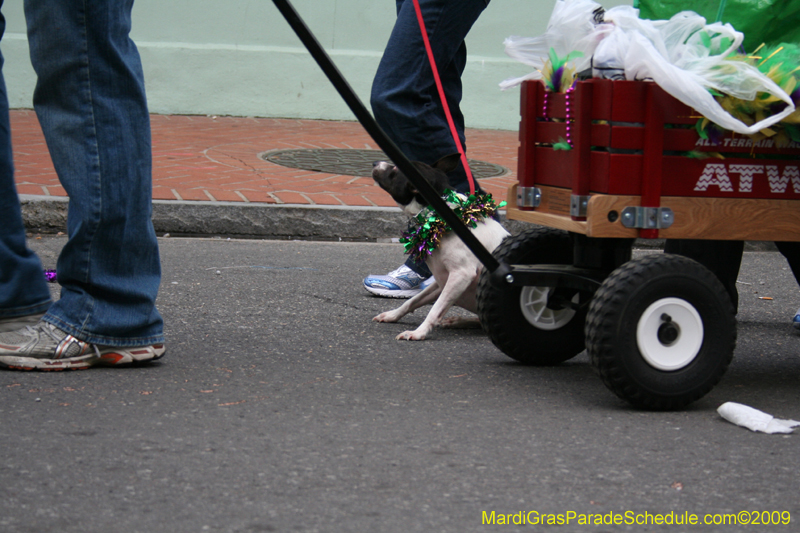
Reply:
x=356 y=162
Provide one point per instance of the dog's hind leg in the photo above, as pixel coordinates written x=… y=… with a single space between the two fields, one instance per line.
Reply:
x=428 y=295
x=457 y=284
x=460 y=322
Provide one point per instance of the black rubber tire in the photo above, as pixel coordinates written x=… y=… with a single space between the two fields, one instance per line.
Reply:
x=617 y=309
x=499 y=306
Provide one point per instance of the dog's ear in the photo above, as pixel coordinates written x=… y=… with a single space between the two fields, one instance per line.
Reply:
x=448 y=163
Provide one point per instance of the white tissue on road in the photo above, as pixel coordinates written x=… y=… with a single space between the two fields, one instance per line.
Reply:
x=755 y=420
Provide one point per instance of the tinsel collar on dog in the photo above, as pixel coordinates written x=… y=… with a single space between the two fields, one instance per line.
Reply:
x=426 y=229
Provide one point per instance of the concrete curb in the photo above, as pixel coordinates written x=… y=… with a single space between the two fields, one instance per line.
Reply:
x=232 y=219
x=277 y=221
x=48 y=214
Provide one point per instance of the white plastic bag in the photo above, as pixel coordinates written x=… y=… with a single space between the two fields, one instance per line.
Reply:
x=674 y=55
x=755 y=420
x=571 y=28
x=609 y=56
x=683 y=55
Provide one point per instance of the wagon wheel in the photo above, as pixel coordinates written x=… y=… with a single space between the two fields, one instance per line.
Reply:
x=527 y=323
x=661 y=331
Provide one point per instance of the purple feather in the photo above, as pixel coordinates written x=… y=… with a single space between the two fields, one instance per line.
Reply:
x=557 y=75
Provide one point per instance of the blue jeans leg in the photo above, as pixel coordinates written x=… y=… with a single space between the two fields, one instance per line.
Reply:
x=23 y=290
x=91 y=104
x=405 y=100
x=404 y=97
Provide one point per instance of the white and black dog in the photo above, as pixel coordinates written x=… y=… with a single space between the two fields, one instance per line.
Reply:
x=455 y=268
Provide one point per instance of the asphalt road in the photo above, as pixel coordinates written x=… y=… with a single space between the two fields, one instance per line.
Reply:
x=280 y=406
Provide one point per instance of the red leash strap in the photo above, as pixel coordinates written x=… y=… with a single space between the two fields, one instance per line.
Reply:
x=446 y=108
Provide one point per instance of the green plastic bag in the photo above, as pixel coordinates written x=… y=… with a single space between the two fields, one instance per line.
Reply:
x=761 y=21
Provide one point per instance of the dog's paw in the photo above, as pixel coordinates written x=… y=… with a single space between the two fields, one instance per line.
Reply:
x=460 y=322
x=411 y=336
x=388 y=316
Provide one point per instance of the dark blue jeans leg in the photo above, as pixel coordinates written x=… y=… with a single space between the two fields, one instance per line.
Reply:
x=91 y=103
x=23 y=290
x=404 y=97
x=723 y=258
x=791 y=251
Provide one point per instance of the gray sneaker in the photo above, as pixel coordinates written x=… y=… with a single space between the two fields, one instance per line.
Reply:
x=17 y=322
x=45 y=347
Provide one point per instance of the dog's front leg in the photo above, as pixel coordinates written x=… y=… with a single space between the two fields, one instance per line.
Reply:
x=457 y=283
x=428 y=295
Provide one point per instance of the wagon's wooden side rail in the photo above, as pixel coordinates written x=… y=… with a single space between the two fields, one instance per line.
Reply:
x=695 y=218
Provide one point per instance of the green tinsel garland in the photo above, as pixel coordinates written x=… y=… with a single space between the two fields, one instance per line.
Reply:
x=427 y=228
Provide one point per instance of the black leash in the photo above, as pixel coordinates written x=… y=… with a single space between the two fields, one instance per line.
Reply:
x=379 y=136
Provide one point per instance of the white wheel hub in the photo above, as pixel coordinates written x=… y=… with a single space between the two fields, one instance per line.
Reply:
x=533 y=303
x=669 y=334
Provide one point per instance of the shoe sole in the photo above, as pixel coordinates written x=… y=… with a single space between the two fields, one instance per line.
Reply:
x=15 y=362
x=122 y=356
x=109 y=356
x=388 y=293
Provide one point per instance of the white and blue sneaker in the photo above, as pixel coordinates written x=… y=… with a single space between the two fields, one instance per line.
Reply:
x=400 y=283
x=796 y=320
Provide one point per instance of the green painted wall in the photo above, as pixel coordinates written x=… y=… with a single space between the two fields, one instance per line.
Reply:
x=239 y=57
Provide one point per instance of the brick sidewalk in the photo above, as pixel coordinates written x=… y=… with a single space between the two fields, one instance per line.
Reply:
x=198 y=158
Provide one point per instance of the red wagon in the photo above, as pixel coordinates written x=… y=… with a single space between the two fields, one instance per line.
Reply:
x=659 y=329
x=600 y=166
